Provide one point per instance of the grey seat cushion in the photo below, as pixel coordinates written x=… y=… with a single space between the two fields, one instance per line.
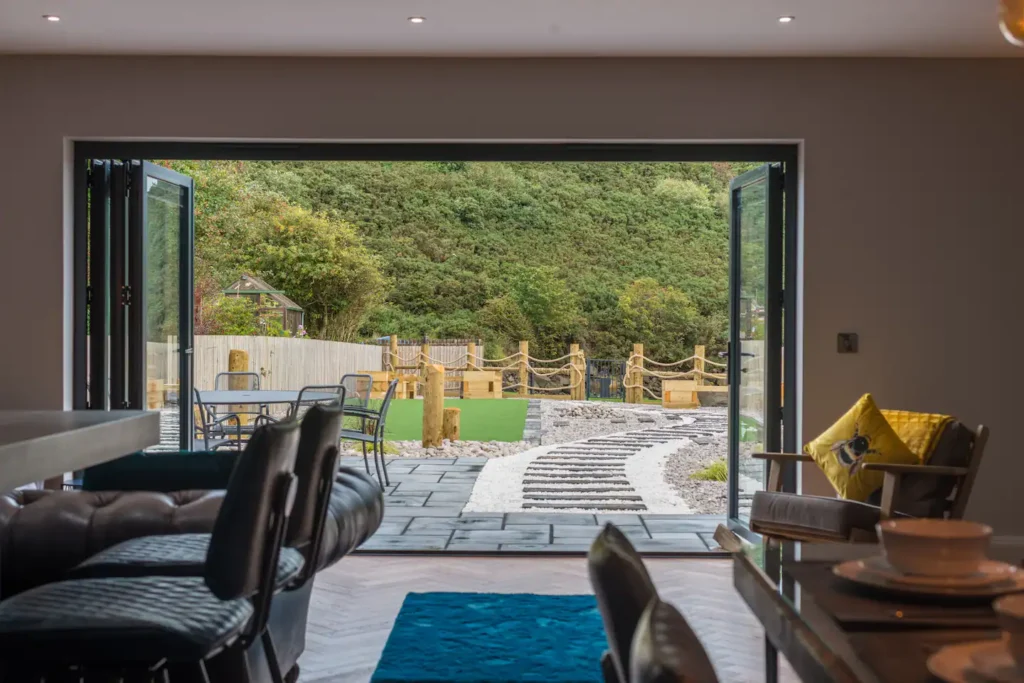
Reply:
x=169 y=555
x=119 y=620
x=821 y=517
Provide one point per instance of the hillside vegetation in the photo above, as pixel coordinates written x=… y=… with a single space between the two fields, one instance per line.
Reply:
x=606 y=254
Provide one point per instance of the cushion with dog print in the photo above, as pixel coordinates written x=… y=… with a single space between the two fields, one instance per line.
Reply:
x=860 y=436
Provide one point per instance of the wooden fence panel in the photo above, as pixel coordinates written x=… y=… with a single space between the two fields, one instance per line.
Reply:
x=284 y=362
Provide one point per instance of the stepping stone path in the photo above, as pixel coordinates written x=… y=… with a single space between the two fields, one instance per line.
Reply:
x=593 y=474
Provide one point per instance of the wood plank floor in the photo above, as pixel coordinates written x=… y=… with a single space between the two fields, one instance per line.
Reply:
x=355 y=603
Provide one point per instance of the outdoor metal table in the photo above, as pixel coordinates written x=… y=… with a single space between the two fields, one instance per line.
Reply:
x=262 y=397
x=830 y=630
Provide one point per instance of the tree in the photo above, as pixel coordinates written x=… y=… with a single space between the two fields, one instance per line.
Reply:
x=550 y=306
x=319 y=261
x=662 y=318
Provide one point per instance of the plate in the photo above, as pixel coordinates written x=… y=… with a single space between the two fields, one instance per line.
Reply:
x=862 y=572
x=955 y=663
x=989 y=572
x=995 y=663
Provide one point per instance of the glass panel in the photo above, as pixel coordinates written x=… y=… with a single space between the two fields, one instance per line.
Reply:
x=752 y=299
x=163 y=224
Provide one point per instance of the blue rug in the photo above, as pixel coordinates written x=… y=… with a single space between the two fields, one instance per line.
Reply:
x=494 y=638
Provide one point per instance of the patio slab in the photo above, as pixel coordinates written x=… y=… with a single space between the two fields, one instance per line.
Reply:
x=423 y=512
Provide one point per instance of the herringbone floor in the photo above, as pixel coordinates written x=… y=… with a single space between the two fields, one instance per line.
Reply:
x=355 y=603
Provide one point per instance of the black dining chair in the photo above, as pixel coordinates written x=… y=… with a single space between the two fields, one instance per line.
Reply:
x=373 y=434
x=140 y=627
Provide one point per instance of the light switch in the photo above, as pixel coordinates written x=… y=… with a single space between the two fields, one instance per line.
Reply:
x=847 y=342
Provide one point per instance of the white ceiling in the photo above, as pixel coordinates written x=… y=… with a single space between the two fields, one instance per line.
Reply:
x=931 y=28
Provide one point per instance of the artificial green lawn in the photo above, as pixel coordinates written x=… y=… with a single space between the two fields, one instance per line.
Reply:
x=482 y=419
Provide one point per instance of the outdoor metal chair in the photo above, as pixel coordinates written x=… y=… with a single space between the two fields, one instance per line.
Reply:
x=939 y=489
x=213 y=428
x=239 y=381
x=357 y=390
x=374 y=435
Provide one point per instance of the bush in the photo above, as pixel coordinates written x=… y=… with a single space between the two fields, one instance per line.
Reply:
x=716 y=471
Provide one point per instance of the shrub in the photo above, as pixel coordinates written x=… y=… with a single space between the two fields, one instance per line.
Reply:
x=716 y=471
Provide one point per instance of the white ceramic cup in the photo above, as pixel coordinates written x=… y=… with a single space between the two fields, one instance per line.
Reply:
x=934 y=547
x=1010 y=611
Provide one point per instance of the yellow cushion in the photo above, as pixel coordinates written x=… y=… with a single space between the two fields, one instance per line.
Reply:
x=861 y=436
x=919 y=431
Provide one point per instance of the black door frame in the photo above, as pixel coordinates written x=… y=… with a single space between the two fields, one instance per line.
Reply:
x=773 y=176
x=787 y=154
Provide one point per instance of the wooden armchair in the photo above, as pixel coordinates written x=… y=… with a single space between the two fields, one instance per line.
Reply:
x=939 y=489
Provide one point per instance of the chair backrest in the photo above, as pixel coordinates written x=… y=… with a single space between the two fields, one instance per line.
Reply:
x=307 y=398
x=357 y=389
x=388 y=396
x=315 y=465
x=236 y=381
x=202 y=412
x=666 y=650
x=624 y=590
x=927 y=495
x=964 y=486
x=242 y=543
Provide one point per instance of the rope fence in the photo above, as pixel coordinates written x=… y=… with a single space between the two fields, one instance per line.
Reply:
x=466 y=371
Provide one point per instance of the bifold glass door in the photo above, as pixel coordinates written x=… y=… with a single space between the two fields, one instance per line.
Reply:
x=755 y=331
x=139 y=293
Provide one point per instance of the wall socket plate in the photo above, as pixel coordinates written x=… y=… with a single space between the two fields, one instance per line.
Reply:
x=846 y=342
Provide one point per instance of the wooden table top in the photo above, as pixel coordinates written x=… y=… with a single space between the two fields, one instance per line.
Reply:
x=38 y=444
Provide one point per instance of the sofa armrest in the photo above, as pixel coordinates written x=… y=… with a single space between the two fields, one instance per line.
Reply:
x=162 y=472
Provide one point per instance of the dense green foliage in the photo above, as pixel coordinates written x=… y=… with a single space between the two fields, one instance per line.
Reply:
x=606 y=254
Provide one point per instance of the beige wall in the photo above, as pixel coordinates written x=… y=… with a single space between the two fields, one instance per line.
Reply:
x=912 y=178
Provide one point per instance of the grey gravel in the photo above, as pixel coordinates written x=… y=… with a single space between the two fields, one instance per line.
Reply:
x=704 y=497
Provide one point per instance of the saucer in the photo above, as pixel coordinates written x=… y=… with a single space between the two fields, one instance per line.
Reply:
x=985 y=660
x=870 y=573
x=989 y=572
x=995 y=663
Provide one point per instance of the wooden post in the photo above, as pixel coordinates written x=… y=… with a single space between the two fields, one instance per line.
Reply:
x=698 y=364
x=575 y=375
x=471 y=355
x=238 y=361
x=637 y=375
x=582 y=360
x=392 y=360
x=433 y=406
x=450 y=426
x=524 y=372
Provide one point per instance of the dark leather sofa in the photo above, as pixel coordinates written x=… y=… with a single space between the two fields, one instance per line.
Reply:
x=44 y=534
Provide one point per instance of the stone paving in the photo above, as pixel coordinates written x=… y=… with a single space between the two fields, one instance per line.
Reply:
x=423 y=512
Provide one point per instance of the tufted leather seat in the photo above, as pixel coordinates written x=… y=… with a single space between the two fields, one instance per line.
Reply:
x=142 y=619
x=173 y=555
x=44 y=534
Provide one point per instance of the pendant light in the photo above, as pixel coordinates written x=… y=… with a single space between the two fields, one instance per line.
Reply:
x=1011 y=21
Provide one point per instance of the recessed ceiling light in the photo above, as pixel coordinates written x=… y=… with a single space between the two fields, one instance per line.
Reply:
x=51 y=17
x=417 y=20
x=786 y=20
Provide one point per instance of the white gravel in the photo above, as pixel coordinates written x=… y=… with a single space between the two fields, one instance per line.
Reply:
x=565 y=421
x=704 y=497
